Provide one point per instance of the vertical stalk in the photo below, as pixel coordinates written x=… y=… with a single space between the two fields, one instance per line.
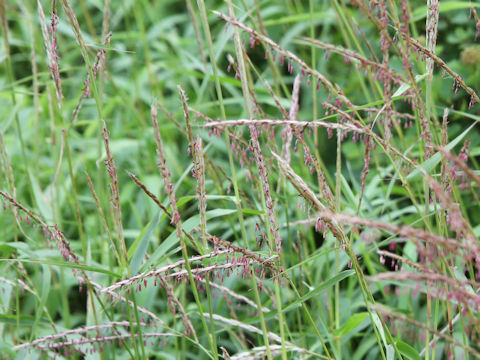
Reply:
x=338 y=196
x=78 y=216
x=206 y=27
x=11 y=80
x=176 y=220
x=272 y=230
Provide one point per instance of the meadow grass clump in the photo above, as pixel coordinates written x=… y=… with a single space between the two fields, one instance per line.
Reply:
x=239 y=180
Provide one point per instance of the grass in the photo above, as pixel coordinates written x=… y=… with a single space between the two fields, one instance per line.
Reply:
x=239 y=180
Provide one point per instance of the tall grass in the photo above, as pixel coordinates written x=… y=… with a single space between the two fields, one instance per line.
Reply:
x=239 y=180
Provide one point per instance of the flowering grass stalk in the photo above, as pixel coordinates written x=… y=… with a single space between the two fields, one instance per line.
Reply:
x=175 y=220
x=248 y=229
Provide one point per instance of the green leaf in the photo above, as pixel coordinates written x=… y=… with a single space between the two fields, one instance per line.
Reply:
x=420 y=13
x=184 y=199
x=66 y=265
x=405 y=87
x=44 y=296
x=347 y=190
x=137 y=250
x=188 y=226
x=407 y=350
x=6 y=251
x=351 y=324
x=253 y=212
x=298 y=18
x=25 y=320
x=410 y=251
x=43 y=207
x=390 y=352
x=311 y=258
x=318 y=289
x=6 y=123
x=433 y=161
x=392 y=183
x=378 y=324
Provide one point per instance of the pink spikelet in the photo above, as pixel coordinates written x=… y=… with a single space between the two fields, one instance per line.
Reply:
x=54 y=57
x=114 y=188
x=472 y=102
x=162 y=165
x=477 y=22
x=266 y=188
x=199 y=169
x=367 y=157
x=52 y=233
x=98 y=65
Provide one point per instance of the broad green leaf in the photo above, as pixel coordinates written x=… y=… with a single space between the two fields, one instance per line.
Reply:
x=378 y=324
x=43 y=207
x=392 y=182
x=298 y=18
x=347 y=190
x=253 y=212
x=43 y=297
x=26 y=320
x=188 y=226
x=136 y=252
x=6 y=250
x=351 y=323
x=433 y=161
x=390 y=352
x=410 y=251
x=405 y=87
x=184 y=199
x=21 y=354
x=420 y=13
x=407 y=350
x=464 y=114
x=66 y=265
x=201 y=75
x=311 y=258
x=332 y=281
x=6 y=123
